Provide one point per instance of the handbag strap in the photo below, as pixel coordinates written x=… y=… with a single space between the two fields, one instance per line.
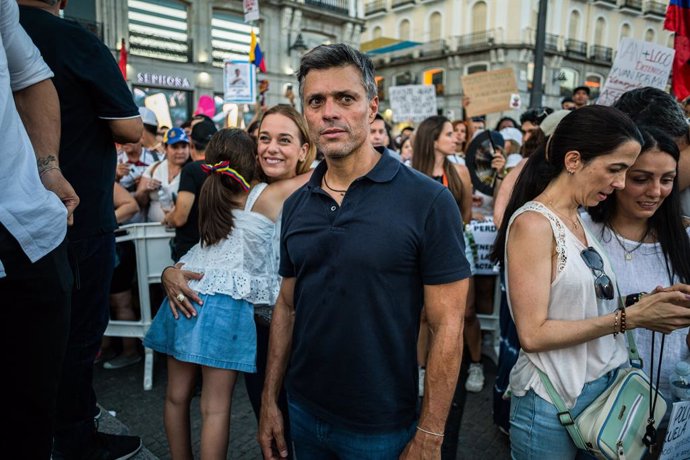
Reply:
x=564 y=416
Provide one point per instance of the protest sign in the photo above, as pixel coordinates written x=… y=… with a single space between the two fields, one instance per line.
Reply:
x=412 y=102
x=638 y=64
x=677 y=440
x=482 y=235
x=489 y=92
x=239 y=82
x=251 y=10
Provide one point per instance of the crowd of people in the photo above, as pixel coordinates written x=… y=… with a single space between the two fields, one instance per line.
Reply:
x=328 y=260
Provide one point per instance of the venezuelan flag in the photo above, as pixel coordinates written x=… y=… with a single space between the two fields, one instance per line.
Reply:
x=678 y=17
x=678 y=21
x=256 y=56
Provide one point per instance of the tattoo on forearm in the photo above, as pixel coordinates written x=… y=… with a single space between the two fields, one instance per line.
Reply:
x=46 y=163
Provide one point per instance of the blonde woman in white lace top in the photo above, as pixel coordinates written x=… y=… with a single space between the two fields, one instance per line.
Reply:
x=561 y=290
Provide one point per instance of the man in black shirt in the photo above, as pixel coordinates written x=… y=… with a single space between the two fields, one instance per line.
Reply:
x=97 y=110
x=185 y=216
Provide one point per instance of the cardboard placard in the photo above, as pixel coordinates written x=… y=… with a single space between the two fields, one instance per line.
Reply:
x=638 y=64
x=412 y=102
x=489 y=92
x=677 y=441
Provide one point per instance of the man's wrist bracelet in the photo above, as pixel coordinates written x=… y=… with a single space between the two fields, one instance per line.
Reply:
x=42 y=172
x=440 y=435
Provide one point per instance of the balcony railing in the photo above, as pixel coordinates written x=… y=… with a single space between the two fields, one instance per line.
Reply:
x=551 y=43
x=94 y=27
x=399 y=3
x=335 y=6
x=656 y=9
x=601 y=53
x=477 y=40
x=575 y=48
x=631 y=5
x=606 y=3
x=375 y=6
x=159 y=47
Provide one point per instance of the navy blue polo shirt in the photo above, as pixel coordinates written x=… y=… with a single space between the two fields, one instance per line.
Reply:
x=360 y=272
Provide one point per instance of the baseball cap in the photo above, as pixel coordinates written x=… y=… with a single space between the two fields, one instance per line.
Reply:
x=582 y=88
x=203 y=131
x=548 y=126
x=174 y=136
x=512 y=134
x=148 y=117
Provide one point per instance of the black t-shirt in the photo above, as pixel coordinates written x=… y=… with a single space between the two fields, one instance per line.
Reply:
x=192 y=178
x=92 y=91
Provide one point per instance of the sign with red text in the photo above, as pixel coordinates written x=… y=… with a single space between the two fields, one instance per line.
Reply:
x=638 y=64
x=677 y=440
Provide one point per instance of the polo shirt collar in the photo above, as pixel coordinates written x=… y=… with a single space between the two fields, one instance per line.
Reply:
x=384 y=170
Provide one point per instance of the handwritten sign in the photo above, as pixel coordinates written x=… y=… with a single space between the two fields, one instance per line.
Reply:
x=412 y=102
x=677 y=441
x=638 y=64
x=482 y=235
x=490 y=92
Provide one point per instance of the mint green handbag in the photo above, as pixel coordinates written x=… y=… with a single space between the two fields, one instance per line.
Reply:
x=614 y=425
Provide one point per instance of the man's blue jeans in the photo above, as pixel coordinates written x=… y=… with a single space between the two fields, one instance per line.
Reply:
x=315 y=439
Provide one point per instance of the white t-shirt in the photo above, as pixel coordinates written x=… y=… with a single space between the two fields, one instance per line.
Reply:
x=33 y=215
x=160 y=173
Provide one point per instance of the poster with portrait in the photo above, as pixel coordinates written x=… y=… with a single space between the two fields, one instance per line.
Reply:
x=239 y=82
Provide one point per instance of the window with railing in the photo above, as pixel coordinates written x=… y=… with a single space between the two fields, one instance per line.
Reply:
x=375 y=6
x=230 y=37
x=334 y=6
x=158 y=29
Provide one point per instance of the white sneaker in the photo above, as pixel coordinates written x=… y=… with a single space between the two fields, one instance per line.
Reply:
x=422 y=374
x=475 y=378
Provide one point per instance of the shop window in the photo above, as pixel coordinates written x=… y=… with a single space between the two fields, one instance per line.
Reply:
x=435 y=77
x=568 y=79
x=172 y=106
x=477 y=67
x=594 y=82
x=403 y=79
x=380 y=88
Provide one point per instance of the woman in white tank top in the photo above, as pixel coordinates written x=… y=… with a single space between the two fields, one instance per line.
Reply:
x=561 y=290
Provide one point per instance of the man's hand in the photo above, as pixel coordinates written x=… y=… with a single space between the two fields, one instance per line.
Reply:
x=54 y=181
x=121 y=171
x=271 y=434
x=423 y=446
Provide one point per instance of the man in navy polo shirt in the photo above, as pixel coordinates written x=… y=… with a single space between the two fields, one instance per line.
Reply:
x=365 y=244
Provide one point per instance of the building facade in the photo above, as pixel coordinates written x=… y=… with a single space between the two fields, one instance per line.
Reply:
x=176 y=48
x=439 y=41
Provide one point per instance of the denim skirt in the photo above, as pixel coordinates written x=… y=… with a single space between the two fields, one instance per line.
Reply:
x=222 y=335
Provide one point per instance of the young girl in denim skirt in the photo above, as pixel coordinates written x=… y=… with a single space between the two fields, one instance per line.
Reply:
x=235 y=256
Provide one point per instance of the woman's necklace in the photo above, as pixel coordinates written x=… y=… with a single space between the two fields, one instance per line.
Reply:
x=342 y=192
x=628 y=253
x=574 y=222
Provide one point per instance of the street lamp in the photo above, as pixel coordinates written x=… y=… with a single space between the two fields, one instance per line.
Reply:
x=298 y=45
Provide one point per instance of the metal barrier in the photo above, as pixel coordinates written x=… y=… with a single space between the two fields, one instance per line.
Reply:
x=492 y=323
x=152 y=246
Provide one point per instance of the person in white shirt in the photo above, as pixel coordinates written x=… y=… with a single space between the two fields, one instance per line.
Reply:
x=35 y=276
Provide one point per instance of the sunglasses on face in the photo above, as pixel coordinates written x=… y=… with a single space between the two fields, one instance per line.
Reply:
x=602 y=283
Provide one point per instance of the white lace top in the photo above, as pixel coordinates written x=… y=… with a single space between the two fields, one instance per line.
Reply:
x=572 y=297
x=645 y=270
x=242 y=265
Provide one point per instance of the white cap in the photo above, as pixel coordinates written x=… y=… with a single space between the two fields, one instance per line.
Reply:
x=512 y=134
x=148 y=117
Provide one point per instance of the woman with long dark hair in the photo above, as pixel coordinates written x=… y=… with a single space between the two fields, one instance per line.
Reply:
x=561 y=287
x=646 y=239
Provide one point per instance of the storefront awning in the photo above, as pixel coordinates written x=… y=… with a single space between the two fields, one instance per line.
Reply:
x=384 y=45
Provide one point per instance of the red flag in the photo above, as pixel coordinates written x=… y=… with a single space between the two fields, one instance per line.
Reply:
x=678 y=21
x=123 y=59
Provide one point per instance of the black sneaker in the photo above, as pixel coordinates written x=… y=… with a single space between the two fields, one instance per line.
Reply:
x=113 y=447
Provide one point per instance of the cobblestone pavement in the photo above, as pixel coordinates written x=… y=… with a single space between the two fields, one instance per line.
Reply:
x=141 y=413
